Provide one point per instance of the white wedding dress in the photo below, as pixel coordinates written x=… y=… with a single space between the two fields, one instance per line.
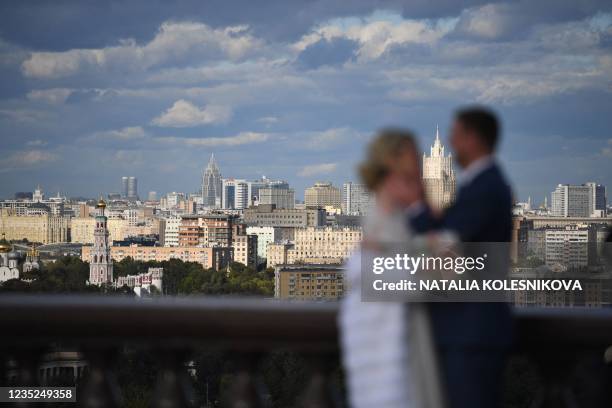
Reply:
x=387 y=349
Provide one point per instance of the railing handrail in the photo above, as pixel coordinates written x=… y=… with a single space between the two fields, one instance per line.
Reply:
x=242 y=323
x=227 y=322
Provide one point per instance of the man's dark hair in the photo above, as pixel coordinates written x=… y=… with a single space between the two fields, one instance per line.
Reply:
x=483 y=122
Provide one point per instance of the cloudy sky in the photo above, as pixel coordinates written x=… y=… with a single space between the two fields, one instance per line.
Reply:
x=93 y=90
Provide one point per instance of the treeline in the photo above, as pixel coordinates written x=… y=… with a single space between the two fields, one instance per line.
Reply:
x=70 y=274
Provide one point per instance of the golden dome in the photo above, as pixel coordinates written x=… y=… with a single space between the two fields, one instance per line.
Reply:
x=32 y=251
x=5 y=246
x=101 y=204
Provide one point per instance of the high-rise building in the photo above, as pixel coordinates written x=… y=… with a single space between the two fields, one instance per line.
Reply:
x=205 y=230
x=245 y=249
x=124 y=187
x=569 y=246
x=281 y=197
x=234 y=194
x=323 y=195
x=37 y=195
x=598 y=199
x=586 y=200
x=100 y=261
x=211 y=184
x=356 y=199
x=169 y=231
x=438 y=175
x=129 y=187
x=255 y=186
x=152 y=196
x=265 y=236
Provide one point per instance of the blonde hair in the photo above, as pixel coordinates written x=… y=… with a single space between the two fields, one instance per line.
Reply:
x=388 y=144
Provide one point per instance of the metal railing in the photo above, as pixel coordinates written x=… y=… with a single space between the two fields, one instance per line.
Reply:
x=98 y=326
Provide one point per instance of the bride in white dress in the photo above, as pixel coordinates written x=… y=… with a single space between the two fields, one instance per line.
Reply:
x=387 y=349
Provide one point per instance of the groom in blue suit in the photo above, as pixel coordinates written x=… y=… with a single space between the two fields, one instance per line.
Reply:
x=472 y=338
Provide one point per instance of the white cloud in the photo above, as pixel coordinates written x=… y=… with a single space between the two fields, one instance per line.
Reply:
x=123 y=134
x=376 y=37
x=36 y=142
x=317 y=169
x=25 y=115
x=26 y=159
x=185 y=114
x=240 y=139
x=54 y=96
x=173 y=42
x=268 y=120
x=489 y=21
x=329 y=138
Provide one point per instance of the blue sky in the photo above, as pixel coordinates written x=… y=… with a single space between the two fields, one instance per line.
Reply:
x=92 y=91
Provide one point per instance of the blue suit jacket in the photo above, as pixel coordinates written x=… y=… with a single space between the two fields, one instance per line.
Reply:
x=482 y=212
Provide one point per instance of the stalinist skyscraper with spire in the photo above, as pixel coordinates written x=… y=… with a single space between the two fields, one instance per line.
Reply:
x=438 y=175
x=101 y=263
x=211 y=184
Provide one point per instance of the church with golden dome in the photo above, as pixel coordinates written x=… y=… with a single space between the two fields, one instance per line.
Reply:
x=9 y=261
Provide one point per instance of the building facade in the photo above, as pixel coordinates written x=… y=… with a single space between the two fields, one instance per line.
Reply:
x=572 y=201
x=599 y=201
x=208 y=257
x=281 y=198
x=265 y=236
x=234 y=194
x=323 y=195
x=43 y=228
x=82 y=229
x=255 y=185
x=205 y=230
x=270 y=216
x=570 y=247
x=438 y=175
x=279 y=253
x=325 y=244
x=245 y=250
x=169 y=231
x=143 y=283
x=309 y=282
x=356 y=199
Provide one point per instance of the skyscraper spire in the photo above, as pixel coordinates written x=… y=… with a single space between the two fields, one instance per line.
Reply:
x=437 y=150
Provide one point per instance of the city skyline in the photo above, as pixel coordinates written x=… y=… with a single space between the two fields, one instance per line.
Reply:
x=38 y=190
x=154 y=95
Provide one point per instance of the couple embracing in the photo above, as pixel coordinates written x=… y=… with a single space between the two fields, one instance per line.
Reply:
x=435 y=354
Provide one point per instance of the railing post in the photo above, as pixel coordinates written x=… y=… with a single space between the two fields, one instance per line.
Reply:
x=173 y=388
x=243 y=393
x=27 y=361
x=100 y=388
x=317 y=393
x=555 y=366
